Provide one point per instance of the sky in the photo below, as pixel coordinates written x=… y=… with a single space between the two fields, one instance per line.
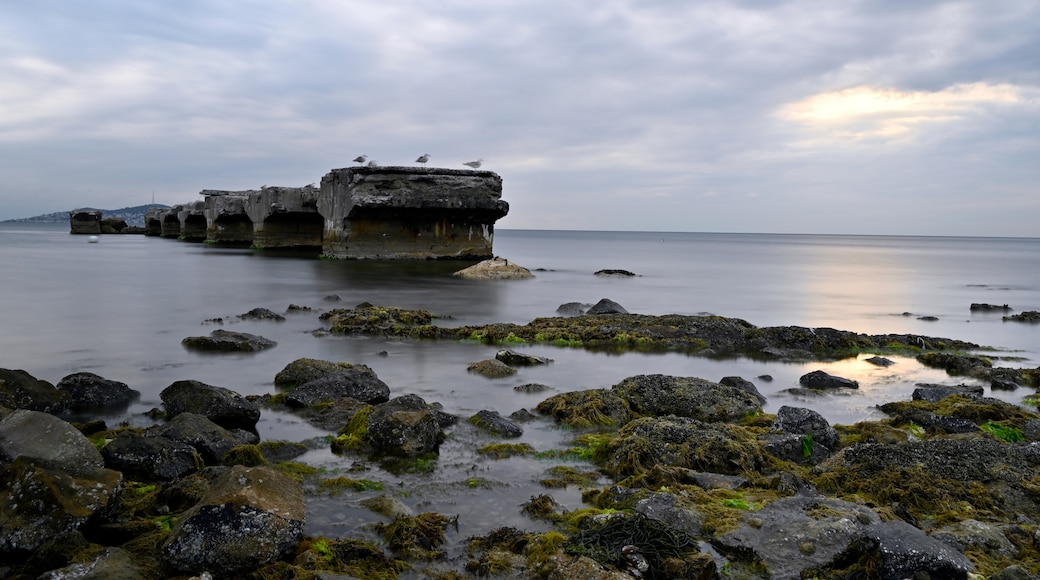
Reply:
x=799 y=116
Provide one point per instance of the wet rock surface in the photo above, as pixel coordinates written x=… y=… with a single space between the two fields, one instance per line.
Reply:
x=227 y=341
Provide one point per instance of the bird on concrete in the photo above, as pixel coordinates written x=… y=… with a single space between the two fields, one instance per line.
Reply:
x=425 y=157
x=474 y=164
x=360 y=158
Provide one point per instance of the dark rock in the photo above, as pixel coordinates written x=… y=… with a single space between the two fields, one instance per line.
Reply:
x=794 y=448
x=796 y=533
x=516 y=359
x=20 y=390
x=669 y=510
x=495 y=424
x=222 y=406
x=523 y=416
x=1027 y=316
x=303 y=370
x=25 y=433
x=297 y=309
x=531 y=388
x=405 y=426
x=85 y=391
x=491 y=368
x=275 y=451
x=766 y=378
x=1014 y=572
x=906 y=552
x=606 y=306
x=980 y=536
x=801 y=421
x=709 y=481
x=880 y=361
x=928 y=318
x=615 y=273
x=1003 y=385
x=573 y=308
x=686 y=397
x=249 y=517
x=111 y=564
x=227 y=341
x=934 y=393
x=210 y=440
x=956 y=364
x=359 y=383
x=332 y=298
x=929 y=420
x=262 y=314
x=982 y=307
x=822 y=380
x=150 y=458
x=746 y=386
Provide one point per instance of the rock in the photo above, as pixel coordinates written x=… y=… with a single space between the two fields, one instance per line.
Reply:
x=667 y=509
x=20 y=390
x=794 y=448
x=980 y=536
x=930 y=421
x=249 y=517
x=388 y=506
x=693 y=397
x=800 y=421
x=589 y=408
x=85 y=221
x=495 y=424
x=222 y=406
x=1003 y=385
x=935 y=393
x=227 y=341
x=746 y=386
x=332 y=298
x=210 y=440
x=681 y=442
x=491 y=368
x=606 y=306
x=303 y=370
x=262 y=314
x=531 y=388
x=982 y=307
x=494 y=269
x=110 y=564
x=38 y=435
x=796 y=533
x=928 y=318
x=87 y=391
x=907 y=552
x=405 y=426
x=151 y=458
x=359 y=383
x=880 y=361
x=615 y=273
x=1027 y=316
x=1014 y=572
x=573 y=308
x=516 y=359
x=43 y=498
x=822 y=380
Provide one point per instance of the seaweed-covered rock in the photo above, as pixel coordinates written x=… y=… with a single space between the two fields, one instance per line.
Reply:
x=404 y=426
x=303 y=370
x=495 y=424
x=227 y=341
x=222 y=406
x=801 y=421
x=935 y=393
x=692 y=397
x=359 y=383
x=249 y=517
x=491 y=368
x=956 y=364
x=824 y=380
x=682 y=442
x=20 y=390
x=1027 y=316
x=594 y=407
x=746 y=385
x=86 y=391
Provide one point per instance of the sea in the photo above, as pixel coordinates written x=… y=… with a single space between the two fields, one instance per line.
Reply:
x=120 y=307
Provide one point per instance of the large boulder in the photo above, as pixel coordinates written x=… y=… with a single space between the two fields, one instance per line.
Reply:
x=405 y=426
x=151 y=457
x=801 y=421
x=303 y=370
x=222 y=406
x=606 y=306
x=44 y=436
x=208 y=438
x=700 y=399
x=20 y=390
x=87 y=391
x=358 y=382
x=495 y=269
x=496 y=424
x=823 y=380
x=249 y=517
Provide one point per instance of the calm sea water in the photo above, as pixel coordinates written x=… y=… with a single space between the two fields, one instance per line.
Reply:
x=120 y=308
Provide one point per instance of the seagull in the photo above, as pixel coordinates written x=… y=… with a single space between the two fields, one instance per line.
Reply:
x=425 y=157
x=474 y=164
x=360 y=158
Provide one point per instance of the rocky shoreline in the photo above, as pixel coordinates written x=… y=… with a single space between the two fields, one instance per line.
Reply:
x=701 y=483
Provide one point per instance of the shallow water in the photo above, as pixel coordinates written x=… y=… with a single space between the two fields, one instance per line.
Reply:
x=120 y=308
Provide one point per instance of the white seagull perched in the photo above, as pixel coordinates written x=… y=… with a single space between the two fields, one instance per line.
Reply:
x=425 y=157
x=360 y=158
x=474 y=164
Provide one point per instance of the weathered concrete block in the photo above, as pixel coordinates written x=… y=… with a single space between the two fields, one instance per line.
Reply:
x=193 y=221
x=285 y=217
x=153 y=221
x=226 y=219
x=410 y=212
x=170 y=224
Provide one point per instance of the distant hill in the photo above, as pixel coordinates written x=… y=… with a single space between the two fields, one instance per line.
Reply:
x=133 y=216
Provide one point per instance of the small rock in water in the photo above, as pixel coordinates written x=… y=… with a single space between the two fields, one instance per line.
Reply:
x=606 y=306
x=616 y=273
x=880 y=361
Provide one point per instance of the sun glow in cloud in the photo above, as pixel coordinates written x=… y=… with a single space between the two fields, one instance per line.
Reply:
x=870 y=112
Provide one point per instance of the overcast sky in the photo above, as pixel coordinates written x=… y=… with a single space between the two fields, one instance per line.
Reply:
x=801 y=116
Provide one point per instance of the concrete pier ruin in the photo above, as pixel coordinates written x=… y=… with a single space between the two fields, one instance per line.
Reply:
x=410 y=213
x=358 y=213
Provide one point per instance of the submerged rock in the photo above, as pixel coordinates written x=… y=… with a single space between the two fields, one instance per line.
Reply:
x=405 y=426
x=823 y=380
x=495 y=424
x=359 y=383
x=86 y=391
x=303 y=370
x=686 y=397
x=227 y=341
x=491 y=368
x=516 y=359
x=606 y=306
